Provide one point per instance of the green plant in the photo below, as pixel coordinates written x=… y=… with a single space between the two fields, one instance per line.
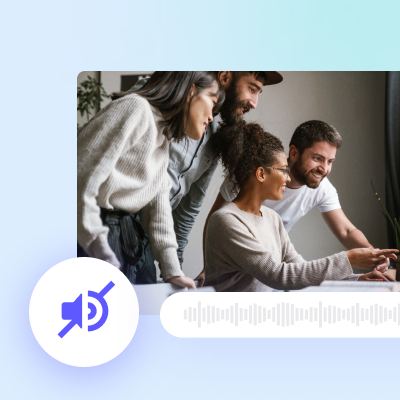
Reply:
x=393 y=221
x=90 y=94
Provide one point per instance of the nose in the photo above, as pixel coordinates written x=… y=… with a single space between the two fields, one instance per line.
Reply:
x=253 y=101
x=210 y=118
x=288 y=179
x=324 y=167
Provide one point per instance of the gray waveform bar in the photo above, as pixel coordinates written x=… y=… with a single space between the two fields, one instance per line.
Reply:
x=287 y=314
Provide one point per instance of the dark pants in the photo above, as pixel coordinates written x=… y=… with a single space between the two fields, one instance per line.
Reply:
x=130 y=244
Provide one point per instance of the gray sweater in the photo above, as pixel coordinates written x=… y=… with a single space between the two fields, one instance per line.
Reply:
x=122 y=164
x=249 y=253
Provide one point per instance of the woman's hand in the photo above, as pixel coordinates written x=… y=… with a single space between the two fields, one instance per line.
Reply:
x=201 y=277
x=183 y=281
x=376 y=276
x=369 y=258
x=384 y=266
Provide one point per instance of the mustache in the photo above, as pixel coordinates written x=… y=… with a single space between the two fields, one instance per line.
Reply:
x=245 y=106
x=318 y=173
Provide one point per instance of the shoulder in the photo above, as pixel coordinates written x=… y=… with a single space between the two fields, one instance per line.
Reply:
x=134 y=110
x=270 y=213
x=326 y=189
x=227 y=225
x=227 y=210
x=327 y=185
x=227 y=215
x=133 y=101
x=272 y=218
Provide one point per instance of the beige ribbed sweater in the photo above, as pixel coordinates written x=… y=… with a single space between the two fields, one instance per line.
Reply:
x=122 y=164
x=250 y=253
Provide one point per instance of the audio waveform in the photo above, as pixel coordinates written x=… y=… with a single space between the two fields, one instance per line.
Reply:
x=286 y=314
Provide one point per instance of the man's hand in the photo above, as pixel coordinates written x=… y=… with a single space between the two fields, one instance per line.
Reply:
x=376 y=276
x=182 y=281
x=369 y=258
x=201 y=277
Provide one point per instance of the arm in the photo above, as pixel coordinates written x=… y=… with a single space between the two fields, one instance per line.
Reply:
x=348 y=235
x=290 y=255
x=157 y=222
x=185 y=213
x=230 y=242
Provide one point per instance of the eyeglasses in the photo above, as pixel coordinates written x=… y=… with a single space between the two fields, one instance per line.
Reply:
x=286 y=171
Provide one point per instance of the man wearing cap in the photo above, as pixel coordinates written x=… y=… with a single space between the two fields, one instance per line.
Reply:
x=192 y=163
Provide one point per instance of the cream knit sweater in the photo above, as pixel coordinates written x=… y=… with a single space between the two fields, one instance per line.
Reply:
x=122 y=164
x=250 y=253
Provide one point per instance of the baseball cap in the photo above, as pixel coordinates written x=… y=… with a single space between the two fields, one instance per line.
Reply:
x=273 y=77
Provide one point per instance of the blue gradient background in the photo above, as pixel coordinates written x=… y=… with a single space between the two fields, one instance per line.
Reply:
x=44 y=47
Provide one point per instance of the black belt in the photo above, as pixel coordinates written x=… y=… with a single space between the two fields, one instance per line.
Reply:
x=131 y=236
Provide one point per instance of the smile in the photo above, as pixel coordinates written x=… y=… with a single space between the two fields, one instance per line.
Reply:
x=316 y=176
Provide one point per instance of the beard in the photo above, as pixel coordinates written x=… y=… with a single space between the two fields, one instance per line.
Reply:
x=231 y=104
x=303 y=177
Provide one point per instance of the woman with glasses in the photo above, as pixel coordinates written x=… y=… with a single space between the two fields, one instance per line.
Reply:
x=247 y=247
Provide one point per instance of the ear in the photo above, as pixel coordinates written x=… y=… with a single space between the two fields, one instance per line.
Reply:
x=192 y=91
x=293 y=153
x=260 y=174
x=225 y=77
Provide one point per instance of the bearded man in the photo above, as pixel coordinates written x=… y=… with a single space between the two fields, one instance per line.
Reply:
x=311 y=153
x=192 y=163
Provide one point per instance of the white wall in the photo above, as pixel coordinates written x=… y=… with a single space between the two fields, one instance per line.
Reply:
x=354 y=103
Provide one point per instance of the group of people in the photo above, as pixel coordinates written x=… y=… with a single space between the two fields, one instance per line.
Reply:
x=145 y=162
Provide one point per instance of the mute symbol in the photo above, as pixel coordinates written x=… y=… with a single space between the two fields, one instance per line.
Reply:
x=73 y=311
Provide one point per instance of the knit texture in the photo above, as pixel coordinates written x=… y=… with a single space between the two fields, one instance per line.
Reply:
x=122 y=164
x=249 y=253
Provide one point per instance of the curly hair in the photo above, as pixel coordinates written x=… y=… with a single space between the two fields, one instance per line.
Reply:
x=243 y=148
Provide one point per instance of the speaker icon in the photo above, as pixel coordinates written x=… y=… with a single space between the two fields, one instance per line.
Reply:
x=72 y=311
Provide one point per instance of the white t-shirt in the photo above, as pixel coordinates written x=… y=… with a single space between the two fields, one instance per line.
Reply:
x=295 y=203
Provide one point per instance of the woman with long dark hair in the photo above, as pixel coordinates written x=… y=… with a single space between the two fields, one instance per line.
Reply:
x=247 y=247
x=123 y=155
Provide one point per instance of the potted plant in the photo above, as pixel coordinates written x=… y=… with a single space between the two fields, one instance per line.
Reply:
x=90 y=94
x=394 y=223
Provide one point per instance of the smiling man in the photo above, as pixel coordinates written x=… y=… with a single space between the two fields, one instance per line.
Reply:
x=311 y=154
x=192 y=163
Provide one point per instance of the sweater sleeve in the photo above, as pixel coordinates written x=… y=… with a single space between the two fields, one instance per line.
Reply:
x=232 y=243
x=290 y=255
x=117 y=127
x=157 y=220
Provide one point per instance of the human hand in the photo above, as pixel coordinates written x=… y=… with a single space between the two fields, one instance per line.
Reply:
x=201 y=277
x=376 y=276
x=182 y=281
x=384 y=266
x=369 y=258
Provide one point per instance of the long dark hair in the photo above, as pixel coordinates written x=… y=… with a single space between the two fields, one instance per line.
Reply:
x=169 y=91
x=243 y=148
